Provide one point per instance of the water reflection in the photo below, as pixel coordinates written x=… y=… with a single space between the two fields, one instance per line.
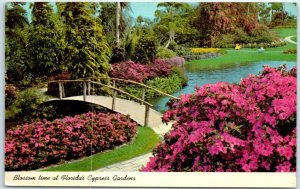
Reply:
x=202 y=74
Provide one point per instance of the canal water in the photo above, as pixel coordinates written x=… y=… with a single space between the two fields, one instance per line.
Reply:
x=201 y=74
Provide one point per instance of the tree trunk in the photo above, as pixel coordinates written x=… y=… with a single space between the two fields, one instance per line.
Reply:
x=118 y=16
x=171 y=38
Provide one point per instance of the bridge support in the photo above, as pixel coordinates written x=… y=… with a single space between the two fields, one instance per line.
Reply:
x=60 y=89
x=147 y=108
x=84 y=91
x=114 y=95
x=143 y=94
x=89 y=87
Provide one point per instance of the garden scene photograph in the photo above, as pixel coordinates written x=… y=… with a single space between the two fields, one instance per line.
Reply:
x=150 y=86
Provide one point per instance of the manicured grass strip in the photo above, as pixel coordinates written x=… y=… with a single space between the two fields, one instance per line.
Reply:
x=145 y=141
x=244 y=55
x=248 y=55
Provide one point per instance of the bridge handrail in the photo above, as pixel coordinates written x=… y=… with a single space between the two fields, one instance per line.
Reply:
x=137 y=83
x=111 y=87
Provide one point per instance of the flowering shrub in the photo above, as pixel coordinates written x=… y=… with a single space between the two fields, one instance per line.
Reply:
x=249 y=126
x=204 y=50
x=39 y=144
x=139 y=72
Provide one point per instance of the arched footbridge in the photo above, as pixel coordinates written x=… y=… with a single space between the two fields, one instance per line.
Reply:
x=138 y=108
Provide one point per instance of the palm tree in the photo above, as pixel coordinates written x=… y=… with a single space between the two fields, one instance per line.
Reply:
x=119 y=8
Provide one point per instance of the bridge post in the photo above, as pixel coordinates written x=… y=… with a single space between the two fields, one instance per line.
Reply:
x=60 y=90
x=146 y=123
x=89 y=87
x=113 y=100
x=84 y=91
x=114 y=94
x=63 y=90
x=143 y=94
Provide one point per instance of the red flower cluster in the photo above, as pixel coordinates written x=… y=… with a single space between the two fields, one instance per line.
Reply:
x=39 y=144
x=139 y=72
x=249 y=126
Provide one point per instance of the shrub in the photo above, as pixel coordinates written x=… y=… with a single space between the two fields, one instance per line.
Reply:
x=290 y=51
x=35 y=145
x=165 y=53
x=10 y=94
x=28 y=105
x=173 y=45
x=145 y=49
x=118 y=54
x=224 y=40
x=168 y=85
x=175 y=61
x=182 y=51
x=139 y=72
x=249 y=126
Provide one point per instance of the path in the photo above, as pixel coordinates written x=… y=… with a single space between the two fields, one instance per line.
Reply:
x=288 y=39
x=134 y=109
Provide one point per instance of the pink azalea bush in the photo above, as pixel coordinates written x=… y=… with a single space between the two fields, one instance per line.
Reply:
x=39 y=144
x=140 y=72
x=245 y=127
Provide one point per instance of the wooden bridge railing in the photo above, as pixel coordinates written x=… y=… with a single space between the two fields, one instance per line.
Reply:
x=87 y=91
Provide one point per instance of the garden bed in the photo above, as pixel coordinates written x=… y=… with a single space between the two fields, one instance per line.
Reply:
x=39 y=144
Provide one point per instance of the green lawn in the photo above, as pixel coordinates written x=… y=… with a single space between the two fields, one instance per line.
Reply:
x=145 y=141
x=294 y=38
x=285 y=32
x=252 y=55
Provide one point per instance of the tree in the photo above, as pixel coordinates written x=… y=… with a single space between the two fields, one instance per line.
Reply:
x=214 y=19
x=46 y=43
x=115 y=20
x=264 y=13
x=171 y=18
x=16 y=30
x=87 y=51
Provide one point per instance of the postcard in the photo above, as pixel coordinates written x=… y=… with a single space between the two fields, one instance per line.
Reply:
x=150 y=94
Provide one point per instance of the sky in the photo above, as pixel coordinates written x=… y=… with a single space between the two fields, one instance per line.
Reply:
x=143 y=9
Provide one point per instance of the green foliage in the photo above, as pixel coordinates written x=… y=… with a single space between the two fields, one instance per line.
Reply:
x=28 y=106
x=46 y=43
x=166 y=84
x=10 y=94
x=146 y=49
x=87 y=51
x=165 y=53
x=118 y=54
x=16 y=34
x=224 y=40
x=173 y=45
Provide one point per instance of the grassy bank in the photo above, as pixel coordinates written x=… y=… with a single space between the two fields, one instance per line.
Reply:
x=252 y=55
x=145 y=141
